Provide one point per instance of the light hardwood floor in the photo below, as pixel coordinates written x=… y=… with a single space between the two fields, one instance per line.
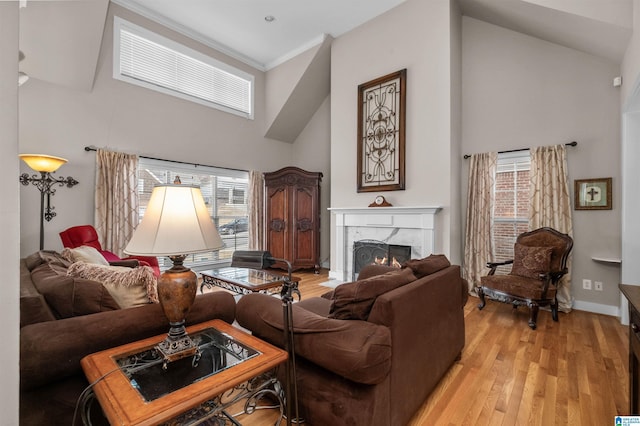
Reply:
x=571 y=372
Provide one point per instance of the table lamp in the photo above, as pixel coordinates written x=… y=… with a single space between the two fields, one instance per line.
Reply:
x=175 y=224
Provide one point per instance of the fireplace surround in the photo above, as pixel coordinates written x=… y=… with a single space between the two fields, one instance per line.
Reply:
x=412 y=226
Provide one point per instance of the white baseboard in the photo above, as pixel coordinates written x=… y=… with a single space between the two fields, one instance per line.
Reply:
x=596 y=308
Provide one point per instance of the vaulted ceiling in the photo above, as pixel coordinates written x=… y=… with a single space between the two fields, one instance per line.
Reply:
x=61 y=39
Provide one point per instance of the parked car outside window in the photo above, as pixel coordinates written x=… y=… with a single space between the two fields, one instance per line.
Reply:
x=235 y=226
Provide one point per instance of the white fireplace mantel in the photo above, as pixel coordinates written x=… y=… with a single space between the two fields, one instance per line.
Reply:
x=414 y=226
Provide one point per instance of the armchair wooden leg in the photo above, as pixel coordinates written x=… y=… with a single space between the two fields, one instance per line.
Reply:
x=533 y=317
x=554 y=310
x=481 y=296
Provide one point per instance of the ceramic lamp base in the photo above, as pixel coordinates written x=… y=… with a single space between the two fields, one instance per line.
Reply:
x=177 y=291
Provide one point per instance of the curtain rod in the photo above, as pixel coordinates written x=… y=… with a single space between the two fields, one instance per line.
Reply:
x=574 y=143
x=93 y=148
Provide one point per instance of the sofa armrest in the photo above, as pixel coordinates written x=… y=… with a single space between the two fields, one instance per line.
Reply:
x=52 y=350
x=357 y=350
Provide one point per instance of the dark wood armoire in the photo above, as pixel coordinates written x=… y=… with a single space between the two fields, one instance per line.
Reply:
x=292 y=217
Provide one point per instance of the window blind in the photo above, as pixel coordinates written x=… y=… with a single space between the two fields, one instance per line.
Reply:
x=147 y=59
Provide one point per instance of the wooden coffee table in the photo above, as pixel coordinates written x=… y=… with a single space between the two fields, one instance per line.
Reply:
x=134 y=389
x=245 y=280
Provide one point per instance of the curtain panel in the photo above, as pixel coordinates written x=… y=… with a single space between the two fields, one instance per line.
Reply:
x=116 y=199
x=256 y=206
x=478 y=247
x=550 y=204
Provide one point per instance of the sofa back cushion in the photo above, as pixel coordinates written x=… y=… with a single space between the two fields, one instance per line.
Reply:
x=427 y=266
x=33 y=306
x=68 y=296
x=45 y=256
x=128 y=286
x=353 y=301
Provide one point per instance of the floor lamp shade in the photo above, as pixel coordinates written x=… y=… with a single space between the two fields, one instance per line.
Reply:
x=176 y=222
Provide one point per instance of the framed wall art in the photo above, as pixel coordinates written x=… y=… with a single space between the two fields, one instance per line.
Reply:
x=381 y=133
x=592 y=194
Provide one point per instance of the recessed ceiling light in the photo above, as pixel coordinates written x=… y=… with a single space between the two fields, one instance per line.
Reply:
x=269 y=18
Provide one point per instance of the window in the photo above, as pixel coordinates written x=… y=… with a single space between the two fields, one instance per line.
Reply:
x=229 y=213
x=146 y=59
x=511 y=208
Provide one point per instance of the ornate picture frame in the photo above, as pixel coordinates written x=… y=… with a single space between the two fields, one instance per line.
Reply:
x=592 y=194
x=381 y=133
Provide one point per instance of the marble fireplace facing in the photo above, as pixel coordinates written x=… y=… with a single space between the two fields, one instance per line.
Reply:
x=411 y=226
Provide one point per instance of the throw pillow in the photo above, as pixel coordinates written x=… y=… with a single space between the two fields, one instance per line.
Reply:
x=128 y=286
x=353 y=301
x=86 y=254
x=530 y=262
x=428 y=265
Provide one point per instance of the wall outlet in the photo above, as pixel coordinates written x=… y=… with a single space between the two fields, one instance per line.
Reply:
x=586 y=284
x=597 y=285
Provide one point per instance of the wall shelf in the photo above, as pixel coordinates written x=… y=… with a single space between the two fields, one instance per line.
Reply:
x=607 y=260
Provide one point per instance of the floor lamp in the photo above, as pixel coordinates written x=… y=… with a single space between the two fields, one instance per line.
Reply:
x=45 y=164
x=262 y=260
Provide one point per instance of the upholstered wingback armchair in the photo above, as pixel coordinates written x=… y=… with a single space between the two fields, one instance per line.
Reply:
x=86 y=235
x=540 y=260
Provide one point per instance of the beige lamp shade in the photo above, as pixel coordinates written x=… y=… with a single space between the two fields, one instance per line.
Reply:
x=176 y=222
x=43 y=163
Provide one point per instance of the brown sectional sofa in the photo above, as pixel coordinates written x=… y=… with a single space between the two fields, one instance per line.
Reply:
x=377 y=370
x=63 y=319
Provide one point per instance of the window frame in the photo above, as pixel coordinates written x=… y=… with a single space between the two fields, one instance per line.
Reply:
x=120 y=24
x=518 y=161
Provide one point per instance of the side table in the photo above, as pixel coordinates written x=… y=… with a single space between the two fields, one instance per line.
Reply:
x=133 y=388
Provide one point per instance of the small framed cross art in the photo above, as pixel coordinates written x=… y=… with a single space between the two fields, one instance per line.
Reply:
x=381 y=133
x=592 y=194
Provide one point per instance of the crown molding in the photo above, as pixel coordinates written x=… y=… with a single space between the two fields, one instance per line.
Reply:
x=187 y=32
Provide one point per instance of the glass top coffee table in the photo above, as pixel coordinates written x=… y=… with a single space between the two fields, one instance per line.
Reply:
x=135 y=387
x=244 y=280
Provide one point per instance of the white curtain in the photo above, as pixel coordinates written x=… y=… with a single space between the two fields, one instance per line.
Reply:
x=255 y=207
x=478 y=247
x=116 y=199
x=550 y=204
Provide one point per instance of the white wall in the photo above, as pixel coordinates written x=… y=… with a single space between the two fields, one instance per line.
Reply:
x=416 y=36
x=519 y=91
x=311 y=151
x=630 y=103
x=9 y=212
x=116 y=115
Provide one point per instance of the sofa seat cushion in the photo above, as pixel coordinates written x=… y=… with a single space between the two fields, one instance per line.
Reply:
x=353 y=301
x=527 y=288
x=128 y=286
x=68 y=296
x=357 y=350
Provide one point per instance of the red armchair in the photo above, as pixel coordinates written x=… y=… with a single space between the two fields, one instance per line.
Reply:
x=86 y=235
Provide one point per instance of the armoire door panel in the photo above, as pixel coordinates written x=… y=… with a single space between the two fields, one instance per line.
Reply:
x=303 y=236
x=277 y=235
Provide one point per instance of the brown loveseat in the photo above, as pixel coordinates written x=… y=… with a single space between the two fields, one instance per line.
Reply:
x=58 y=329
x=377 y=370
